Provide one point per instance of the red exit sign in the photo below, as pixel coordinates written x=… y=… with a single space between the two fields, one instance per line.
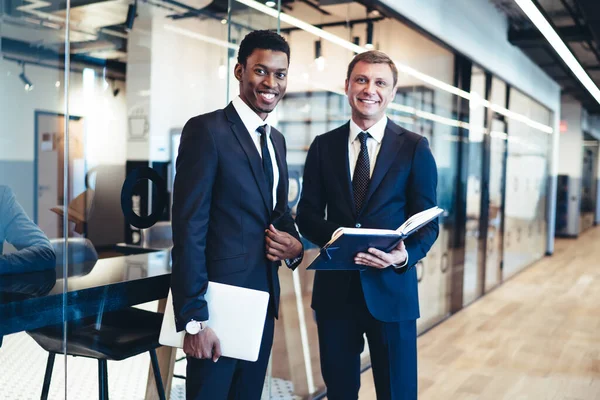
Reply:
x=563 y=126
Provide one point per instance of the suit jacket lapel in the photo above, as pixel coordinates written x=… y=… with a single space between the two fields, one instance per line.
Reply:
x=238 y=128
x=341 y=165
x=390 y=146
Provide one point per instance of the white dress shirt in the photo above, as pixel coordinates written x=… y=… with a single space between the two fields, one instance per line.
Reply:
x=252 y=121
x=373 y=147
x=373 y=143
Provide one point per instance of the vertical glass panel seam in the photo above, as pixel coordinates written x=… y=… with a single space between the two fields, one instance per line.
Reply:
x=66 y=184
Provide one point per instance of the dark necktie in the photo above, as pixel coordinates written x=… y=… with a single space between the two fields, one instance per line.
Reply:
x=362 y=173
x=266 y=159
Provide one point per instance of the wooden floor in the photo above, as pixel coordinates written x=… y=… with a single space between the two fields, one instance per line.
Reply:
x=535 y=337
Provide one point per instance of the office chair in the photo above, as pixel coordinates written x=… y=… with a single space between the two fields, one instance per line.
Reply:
x=115 y=335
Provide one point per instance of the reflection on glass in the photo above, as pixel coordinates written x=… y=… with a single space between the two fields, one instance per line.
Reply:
x=588 y=182
x=33 y=251
x=32 y=83
x=497 y=139
x=473 y=257
x=497 y=152
x=526 y=180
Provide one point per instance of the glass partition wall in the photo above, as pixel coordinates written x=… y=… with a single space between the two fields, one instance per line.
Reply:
x=88 y=161
x=34 y=159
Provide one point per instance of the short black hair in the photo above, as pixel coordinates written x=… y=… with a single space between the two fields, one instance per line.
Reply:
x=266 y=40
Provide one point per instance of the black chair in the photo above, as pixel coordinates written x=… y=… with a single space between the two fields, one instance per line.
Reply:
x=110 y=336
x=114 y=335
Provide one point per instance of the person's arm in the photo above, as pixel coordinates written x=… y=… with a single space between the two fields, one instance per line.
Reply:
x=311 y=208
x=196 y=168
x=34 y=250
x=422 y=194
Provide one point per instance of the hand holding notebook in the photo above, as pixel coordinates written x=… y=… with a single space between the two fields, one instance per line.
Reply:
x=345 y=243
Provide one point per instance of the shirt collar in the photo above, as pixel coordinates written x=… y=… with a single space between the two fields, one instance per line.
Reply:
x=376 y=131
x=249 y=118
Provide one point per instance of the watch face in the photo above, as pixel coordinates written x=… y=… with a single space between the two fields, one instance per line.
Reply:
x=193 y=327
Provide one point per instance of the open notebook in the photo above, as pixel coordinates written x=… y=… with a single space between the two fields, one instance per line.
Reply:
x=338 y=253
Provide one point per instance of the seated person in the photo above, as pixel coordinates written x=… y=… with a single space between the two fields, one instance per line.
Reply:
x=34 y=251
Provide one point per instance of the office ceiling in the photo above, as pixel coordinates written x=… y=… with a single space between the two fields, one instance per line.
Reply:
x=32 y=31
x=578 y=24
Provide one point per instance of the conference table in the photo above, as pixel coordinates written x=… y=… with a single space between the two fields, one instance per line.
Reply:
x=34 y=300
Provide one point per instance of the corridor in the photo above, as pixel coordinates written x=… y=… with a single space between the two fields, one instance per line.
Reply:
x=537 y=336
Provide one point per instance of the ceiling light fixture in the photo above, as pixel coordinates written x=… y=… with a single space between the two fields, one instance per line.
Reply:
x=270 y=4
x=317 y=49
x=24 y=79
x=319 y=59
x=538 y=19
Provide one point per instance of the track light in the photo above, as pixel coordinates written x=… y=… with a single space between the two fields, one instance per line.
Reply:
x=319 y=59
x=131 y=14
x=369 y=44
x=538 y=19
x=317 y=49
x=25 y=80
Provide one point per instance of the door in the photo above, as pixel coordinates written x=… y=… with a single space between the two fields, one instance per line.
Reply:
x=49 y=182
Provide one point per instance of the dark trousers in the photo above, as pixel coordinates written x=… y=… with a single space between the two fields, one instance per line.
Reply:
x=229 y=378
x=392 y=346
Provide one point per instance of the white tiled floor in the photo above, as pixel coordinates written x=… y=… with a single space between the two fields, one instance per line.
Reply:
x=23 y=363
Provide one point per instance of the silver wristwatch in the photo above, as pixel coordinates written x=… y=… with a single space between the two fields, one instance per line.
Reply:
x=195 y=327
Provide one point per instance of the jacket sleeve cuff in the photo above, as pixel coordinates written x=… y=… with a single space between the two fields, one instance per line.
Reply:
x=292 y=263
x=401 y=267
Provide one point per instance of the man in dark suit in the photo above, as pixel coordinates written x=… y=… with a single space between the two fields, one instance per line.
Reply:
x=369 y=173
x=231 y=222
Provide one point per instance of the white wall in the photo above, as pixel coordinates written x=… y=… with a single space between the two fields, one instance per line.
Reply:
x=184 y=79
x=172 y=77
x=104 y=114
x=412 y=49
x=478 y=30
x=139 y=46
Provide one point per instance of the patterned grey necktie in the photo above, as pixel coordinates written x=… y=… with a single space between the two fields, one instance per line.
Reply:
x=362 y=173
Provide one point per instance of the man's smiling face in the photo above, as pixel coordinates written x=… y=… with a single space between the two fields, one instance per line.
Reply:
x=263 y=80
x=370 y=89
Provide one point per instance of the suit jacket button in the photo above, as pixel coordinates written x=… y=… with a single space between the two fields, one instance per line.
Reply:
x=358 y=225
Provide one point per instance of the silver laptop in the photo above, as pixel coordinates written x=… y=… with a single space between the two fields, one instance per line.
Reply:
x=236 y=314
